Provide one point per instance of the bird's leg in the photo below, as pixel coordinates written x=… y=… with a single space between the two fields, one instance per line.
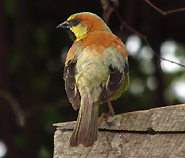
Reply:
x=110 y=113
x=111 y=110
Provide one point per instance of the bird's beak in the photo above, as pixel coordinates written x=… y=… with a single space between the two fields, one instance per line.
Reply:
x=64 y=25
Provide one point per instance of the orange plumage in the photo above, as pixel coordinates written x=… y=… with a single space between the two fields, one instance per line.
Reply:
x=96 y=70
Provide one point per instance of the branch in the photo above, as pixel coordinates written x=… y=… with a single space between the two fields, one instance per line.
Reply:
x=15 y=106
x=123 y=23
x=22 y=115
x=162 y=12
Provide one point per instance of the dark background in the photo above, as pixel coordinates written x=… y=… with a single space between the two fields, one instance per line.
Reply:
x=32 y=55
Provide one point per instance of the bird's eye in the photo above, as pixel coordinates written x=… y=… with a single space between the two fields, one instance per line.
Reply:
x=75 y=21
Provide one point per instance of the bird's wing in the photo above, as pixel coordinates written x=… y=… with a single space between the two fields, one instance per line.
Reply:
x=118 y=68
x=70 y=84
x=113 y=83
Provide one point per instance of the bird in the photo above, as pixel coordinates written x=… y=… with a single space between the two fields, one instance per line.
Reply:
x=96 y=71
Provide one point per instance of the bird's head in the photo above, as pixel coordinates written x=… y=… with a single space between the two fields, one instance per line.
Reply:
x=80 y=24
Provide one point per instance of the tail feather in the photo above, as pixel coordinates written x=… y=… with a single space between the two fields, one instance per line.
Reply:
x=92 y=134
x=86 y=129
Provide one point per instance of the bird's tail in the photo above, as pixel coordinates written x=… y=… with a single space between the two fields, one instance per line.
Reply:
x=86 y=129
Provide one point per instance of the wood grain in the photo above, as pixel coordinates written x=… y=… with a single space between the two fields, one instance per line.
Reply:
x=125 y=135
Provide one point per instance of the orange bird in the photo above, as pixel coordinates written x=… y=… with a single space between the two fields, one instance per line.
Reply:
x=96 y=71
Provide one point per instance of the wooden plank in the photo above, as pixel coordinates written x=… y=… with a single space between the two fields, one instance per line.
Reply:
x=170 y=118
x=122 y=145
x=125 y=135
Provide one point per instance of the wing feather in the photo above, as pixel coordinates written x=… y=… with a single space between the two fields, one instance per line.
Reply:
x=113 y=82
x=70 y=84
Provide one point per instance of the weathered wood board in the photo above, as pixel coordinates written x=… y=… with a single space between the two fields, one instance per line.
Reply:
x=125 y=135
